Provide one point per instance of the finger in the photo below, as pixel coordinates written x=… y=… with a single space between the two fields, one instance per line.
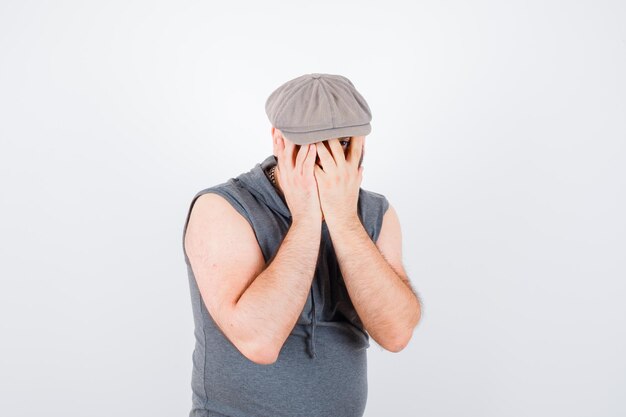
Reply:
x=337 y=152
x=318 y=172
x=289 y=153
x=300 y=157
x=325 y=157
x=310 y=158
x=355 y=150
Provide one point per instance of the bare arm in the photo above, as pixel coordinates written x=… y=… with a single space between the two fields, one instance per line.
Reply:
x=255 y=305
x=379 y=292
x=271 y=306
x=377 y=284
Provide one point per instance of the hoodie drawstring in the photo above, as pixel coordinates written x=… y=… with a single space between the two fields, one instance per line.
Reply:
x=312 y=337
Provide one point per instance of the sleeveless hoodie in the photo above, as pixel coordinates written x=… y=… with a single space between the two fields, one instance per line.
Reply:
x=301 y=382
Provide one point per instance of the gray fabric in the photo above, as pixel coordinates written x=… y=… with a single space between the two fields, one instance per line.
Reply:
x=316 y=107
x=321 y=370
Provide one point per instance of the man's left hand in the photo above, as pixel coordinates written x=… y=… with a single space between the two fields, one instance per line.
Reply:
x=339 y=179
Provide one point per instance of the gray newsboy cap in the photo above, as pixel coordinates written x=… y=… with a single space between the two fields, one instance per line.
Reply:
x=316 y=107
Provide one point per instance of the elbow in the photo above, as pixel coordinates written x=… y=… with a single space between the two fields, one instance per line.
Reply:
x=254 y=346
x=260 y=353
x=418 y=314
x=398 y=344
x=263 y=357
x=402 y=337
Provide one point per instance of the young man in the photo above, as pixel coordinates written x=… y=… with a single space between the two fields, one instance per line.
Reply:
x=293 y=266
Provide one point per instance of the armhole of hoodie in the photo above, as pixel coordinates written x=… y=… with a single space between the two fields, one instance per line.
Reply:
x=383 y=209
x=226 y=195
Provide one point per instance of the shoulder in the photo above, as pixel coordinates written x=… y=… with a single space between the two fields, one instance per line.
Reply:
x=214 y=213
x=219 y=201
x=225 y=199
x=231 y=192
x=373 y=200
x=372 y=207
x=387 y=234
x=214 y=202
x=390 y=241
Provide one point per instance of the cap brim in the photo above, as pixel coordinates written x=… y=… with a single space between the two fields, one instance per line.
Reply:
x=305 y=138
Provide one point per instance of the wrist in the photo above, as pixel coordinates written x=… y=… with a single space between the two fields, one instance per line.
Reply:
x=307 y=221
x=346 y=222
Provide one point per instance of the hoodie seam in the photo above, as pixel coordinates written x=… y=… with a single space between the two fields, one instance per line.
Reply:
x=206 y=394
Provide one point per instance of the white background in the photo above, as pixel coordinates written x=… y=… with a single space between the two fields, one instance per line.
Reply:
x=498 y=134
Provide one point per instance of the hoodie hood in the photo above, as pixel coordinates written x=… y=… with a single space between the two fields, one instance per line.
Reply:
x=258 y=184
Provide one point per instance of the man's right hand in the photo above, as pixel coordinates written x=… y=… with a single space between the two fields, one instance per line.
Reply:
x=297 y=180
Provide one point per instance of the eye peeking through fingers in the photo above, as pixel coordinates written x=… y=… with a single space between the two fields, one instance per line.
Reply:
x=345 y=142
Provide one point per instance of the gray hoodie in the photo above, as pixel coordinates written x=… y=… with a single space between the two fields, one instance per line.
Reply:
x=322 y=367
